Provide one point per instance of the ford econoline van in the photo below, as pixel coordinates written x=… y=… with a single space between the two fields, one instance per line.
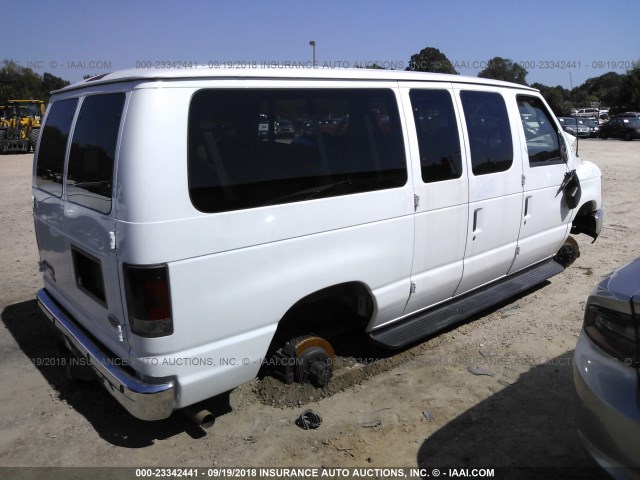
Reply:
x=180 y=228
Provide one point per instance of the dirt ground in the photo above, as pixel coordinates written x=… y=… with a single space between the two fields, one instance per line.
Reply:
x=419 y=407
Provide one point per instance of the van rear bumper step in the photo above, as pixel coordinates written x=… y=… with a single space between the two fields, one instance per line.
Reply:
x=423 y=324
x=146 y=401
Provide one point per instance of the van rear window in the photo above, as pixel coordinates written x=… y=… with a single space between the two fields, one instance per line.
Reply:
x=251 y=148
x=53 y=146
x=93 y=150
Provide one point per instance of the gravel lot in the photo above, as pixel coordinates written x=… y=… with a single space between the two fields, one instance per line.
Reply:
x=419 y=407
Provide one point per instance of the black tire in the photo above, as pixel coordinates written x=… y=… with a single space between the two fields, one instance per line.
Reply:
x=33 y=139
x=3 y=135
x=603 y=136
x=627 y=136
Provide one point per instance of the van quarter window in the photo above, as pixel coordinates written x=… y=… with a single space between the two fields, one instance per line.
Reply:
x=540 y=131
x=438 y=139
x=264 y=147
x=93 y=150
x=489 y=132
x=53 y=146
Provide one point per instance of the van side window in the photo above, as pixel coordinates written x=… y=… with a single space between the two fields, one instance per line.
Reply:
x=251 y=148
x=93 y=150
x=53 y=146
x=540 y=131
x=438 y=139
x=489 y=132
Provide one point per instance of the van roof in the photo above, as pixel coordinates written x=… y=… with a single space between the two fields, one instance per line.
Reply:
x=204 y=72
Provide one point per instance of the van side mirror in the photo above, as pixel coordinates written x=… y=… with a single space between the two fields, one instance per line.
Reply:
x=571 y=190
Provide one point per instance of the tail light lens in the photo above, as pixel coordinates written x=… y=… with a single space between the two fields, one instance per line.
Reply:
x=148 y=300
x=613 y=332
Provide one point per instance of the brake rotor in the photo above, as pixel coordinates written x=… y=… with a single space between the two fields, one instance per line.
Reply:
x=314 y=360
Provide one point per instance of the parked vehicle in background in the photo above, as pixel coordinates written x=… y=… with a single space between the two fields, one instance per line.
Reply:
x=284 y=128
x=574 y=126
x=607 y=372
x=594 y=126
x=590 y=112
x=628 y=115
x=20 y=125
x=620 y=127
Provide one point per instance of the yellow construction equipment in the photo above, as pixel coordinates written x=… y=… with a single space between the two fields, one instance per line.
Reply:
x=20 y=125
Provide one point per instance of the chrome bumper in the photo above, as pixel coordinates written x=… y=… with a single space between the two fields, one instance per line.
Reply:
x=146 y=401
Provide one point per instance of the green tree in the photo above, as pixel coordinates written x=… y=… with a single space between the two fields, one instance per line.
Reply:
x=51 y=83
x=431 y=60
x=17 y=82
x=605 y=88
x=500 y=68
x=558 y=98
x=629 y=97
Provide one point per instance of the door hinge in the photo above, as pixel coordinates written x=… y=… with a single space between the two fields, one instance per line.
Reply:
x=416 y=202
x=112 y=240
x=523 y=179
x=413 y=288
x=517 y=251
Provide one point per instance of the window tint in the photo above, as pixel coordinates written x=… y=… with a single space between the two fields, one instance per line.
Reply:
x=540 y=131
x=438 y=138
x=250 y=148
x=90 y=172
x=489 y=132
x=53 y=146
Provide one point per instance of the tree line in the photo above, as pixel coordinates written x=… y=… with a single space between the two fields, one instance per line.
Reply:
x=620 y=92
x=17 y=82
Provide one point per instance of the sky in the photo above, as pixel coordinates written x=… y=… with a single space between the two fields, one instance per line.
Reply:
x=561 y=42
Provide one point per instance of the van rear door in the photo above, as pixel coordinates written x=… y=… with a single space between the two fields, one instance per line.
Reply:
x=74 y=213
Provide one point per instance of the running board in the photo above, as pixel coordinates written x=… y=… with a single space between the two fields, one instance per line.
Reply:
x=425 y=323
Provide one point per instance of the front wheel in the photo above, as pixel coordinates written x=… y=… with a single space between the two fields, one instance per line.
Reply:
x=627 y=136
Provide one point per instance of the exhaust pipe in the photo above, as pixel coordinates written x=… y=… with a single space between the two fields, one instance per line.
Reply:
x=200 y=416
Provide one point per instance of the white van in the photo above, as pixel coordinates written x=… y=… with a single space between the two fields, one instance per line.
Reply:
x=179 y=233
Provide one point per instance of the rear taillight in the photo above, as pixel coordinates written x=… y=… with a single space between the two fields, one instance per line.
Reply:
x=613 y=332
x=148 y=300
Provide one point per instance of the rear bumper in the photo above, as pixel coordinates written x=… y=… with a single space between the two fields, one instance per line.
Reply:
x=146 y=401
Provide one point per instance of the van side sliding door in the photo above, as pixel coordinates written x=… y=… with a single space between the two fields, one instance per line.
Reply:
x=441 y=189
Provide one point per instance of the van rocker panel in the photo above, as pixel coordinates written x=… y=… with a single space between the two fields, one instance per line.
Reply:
x=416 y=327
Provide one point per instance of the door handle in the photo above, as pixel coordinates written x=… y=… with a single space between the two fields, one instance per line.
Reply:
x=477 y=222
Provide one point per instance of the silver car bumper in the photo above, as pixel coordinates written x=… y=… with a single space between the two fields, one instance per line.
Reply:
x=146 y=401
x=608 y=412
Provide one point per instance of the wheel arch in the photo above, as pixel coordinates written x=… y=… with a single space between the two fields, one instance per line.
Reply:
x=306 y=315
